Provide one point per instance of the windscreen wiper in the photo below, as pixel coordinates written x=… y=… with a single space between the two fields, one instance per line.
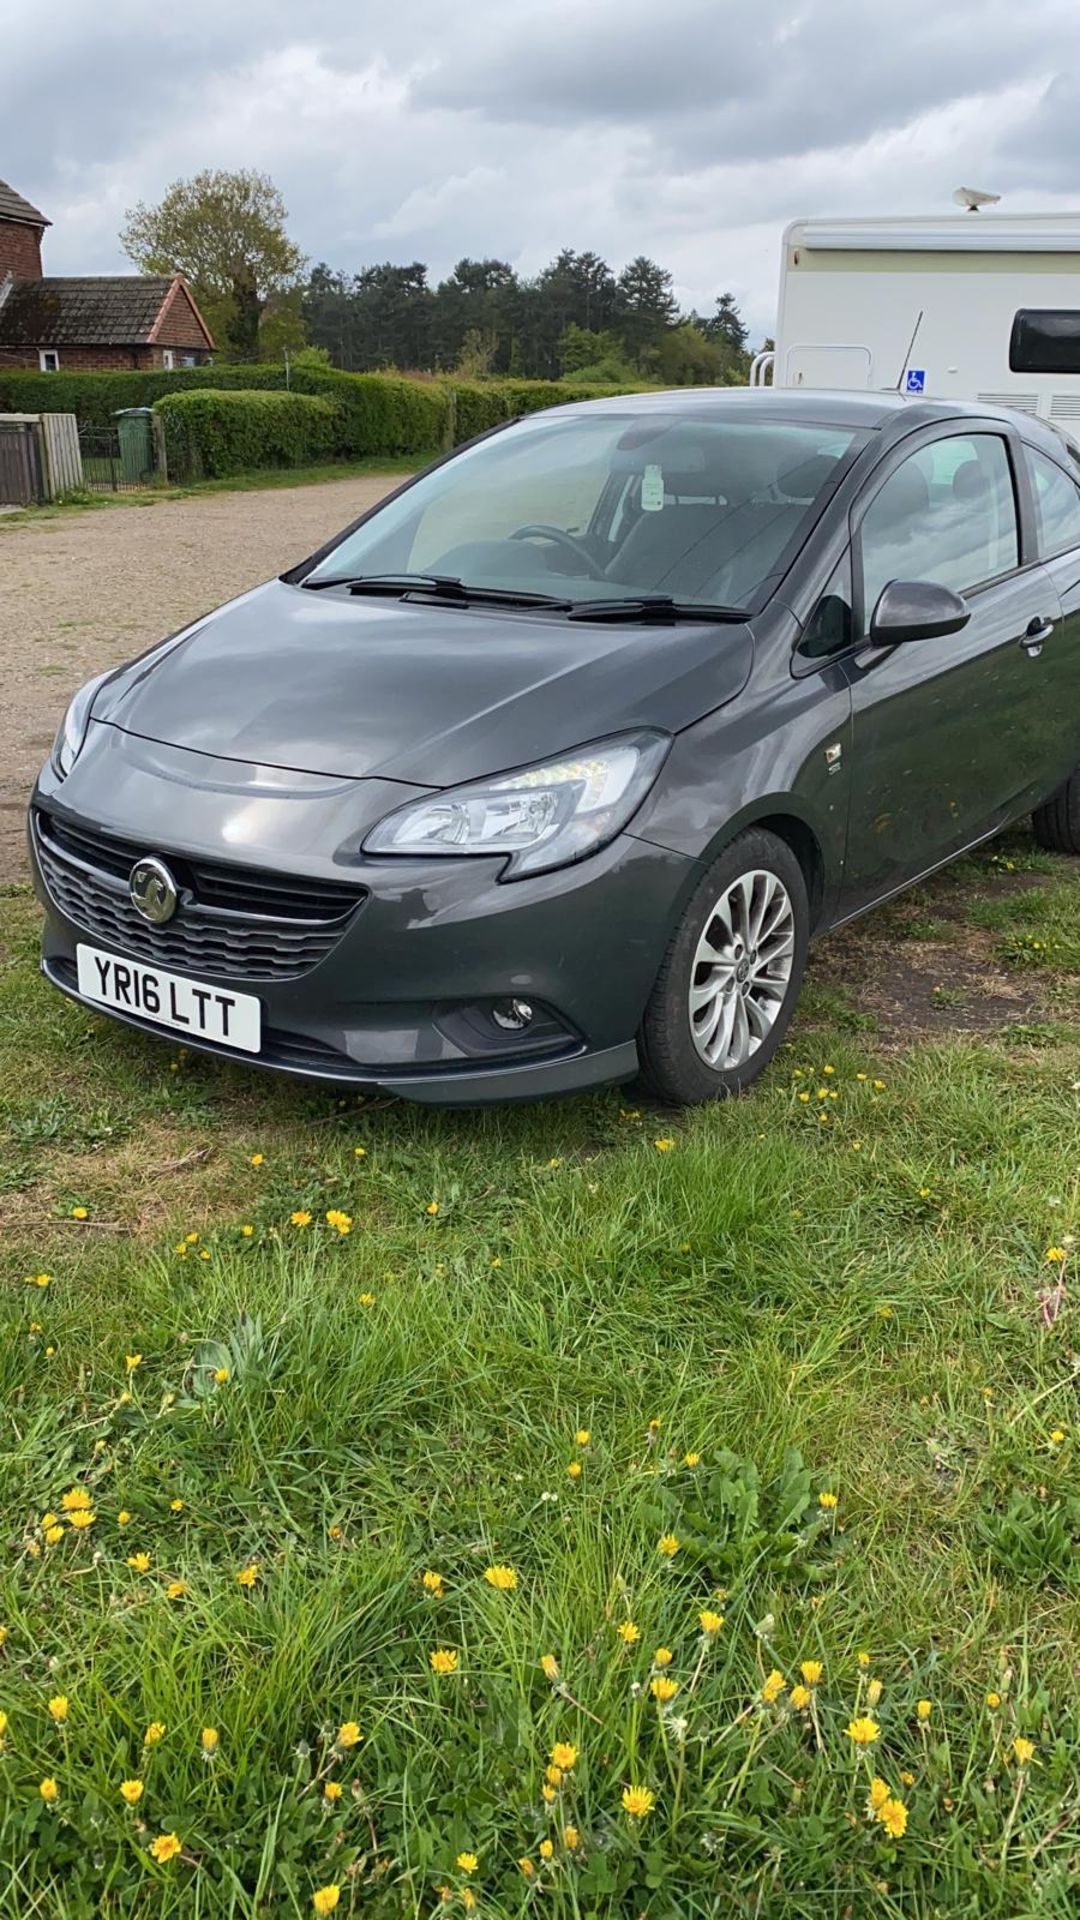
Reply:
x=653 y=606
x=439 y=586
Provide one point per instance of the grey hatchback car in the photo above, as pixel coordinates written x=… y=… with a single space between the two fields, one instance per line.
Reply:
x=542 y=774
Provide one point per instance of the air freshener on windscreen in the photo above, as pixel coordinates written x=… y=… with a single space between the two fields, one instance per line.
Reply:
x=652 y=490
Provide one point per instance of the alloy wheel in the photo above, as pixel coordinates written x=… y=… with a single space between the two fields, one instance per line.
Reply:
x=742 y=969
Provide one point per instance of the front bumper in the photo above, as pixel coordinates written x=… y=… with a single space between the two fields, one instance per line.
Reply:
x=401 y=1002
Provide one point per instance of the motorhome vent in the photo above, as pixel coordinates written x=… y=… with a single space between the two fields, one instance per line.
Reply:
x=1019 y=402
x=1065 y=406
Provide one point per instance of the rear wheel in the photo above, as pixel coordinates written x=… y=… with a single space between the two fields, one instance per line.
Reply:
x=730 y=978
x=1057 y=821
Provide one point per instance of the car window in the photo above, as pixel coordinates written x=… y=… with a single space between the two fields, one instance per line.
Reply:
x=1057 y=504
x=829 y=629
x=704 y=506
x=948 y=514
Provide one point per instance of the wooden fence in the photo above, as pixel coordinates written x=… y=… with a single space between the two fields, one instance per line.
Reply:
x=39 y=457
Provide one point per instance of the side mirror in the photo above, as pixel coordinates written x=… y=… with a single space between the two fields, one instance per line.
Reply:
x=917 y=610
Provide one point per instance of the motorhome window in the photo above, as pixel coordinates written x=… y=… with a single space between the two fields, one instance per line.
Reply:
x=1045 y=340
x=948 y=513
x=1057 y=504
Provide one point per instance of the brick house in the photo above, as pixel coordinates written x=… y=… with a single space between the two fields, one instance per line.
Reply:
x=110 y=322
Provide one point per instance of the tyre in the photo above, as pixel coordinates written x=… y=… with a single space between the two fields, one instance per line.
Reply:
x=729 y=981
x=1057 y=821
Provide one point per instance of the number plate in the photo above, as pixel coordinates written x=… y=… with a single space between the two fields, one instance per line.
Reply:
x=169 y=1000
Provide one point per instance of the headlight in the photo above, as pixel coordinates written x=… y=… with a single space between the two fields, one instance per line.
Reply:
x=544 y=816
x=68 y=743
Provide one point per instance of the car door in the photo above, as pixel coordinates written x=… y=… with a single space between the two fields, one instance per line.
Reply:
x=1055 y=493
x=944 y=732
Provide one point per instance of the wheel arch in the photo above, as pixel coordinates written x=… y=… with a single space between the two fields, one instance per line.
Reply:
x=797 y=833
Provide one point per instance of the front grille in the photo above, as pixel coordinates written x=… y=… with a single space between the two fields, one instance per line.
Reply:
x=232 y=922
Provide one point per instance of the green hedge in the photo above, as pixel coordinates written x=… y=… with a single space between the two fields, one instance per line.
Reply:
x=375 y=413
x=211 y=433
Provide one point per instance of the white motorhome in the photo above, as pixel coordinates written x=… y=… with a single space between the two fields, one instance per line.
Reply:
x=978 y=306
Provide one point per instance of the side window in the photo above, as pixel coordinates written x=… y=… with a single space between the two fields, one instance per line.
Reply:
x=830 y=628
x=948 y=514
x=1057 y=504
x=1045 y=340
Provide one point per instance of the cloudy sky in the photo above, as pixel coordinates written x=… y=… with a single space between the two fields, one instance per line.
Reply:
x=691 y=130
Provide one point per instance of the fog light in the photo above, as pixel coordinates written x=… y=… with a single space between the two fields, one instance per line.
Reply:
x=512 y=1015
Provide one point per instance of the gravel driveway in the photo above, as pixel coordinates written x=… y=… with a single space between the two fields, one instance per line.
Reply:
x=87 y=590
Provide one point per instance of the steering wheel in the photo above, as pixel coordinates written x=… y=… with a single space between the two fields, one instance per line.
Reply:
x=560 y=539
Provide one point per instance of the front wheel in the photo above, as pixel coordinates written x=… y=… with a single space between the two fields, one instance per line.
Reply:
x=729 y=981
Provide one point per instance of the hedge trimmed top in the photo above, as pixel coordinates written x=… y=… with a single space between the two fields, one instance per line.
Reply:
x=375 y=413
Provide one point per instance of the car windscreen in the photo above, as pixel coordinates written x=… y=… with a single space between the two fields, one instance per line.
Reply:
x=592 y=506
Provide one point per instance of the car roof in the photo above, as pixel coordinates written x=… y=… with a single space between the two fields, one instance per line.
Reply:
x=825 y=407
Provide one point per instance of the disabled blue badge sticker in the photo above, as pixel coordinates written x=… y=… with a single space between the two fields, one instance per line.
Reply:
x=915 y=380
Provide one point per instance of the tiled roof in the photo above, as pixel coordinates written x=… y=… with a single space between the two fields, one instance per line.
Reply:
x=117 y=311
x=14 y=207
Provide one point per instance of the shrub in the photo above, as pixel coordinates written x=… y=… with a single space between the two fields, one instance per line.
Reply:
x=219 y=432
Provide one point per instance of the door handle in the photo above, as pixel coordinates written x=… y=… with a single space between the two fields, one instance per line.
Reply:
x=1037 y=630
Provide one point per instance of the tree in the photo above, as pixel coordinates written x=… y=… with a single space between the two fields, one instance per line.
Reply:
x=726 y=326
x=226 y=233
x=645 y=306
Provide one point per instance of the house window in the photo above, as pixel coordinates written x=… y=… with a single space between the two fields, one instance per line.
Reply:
x=188 y=360
x=49 y=360
x=167 y=359
x=1045 y=340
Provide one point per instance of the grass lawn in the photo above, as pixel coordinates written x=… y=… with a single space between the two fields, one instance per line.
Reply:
x=462 y=1551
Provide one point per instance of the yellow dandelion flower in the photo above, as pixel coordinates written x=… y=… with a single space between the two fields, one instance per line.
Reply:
x=247 y=1230
x=546 y=1849
x=668 y=1544
x=360 y=1153
x=131 y=1361
x=82 y=1518
x=800 y=1698
x=1057 y=1438
x=629 y=1633
x=123 y=1517
x=876 y=1798
x=692 y=1460
x=526 y=1866
x=571 y=1838
x=59 y=1707
x=662 y=1688
x=49 y=1791
x=80 y=1213
x=74 y=1498
x=443 y=1660
x=907 y=1777
x=54 y=1534
x=1024 y=1750
x=893 y=1817
x=582 y=1437
x=348 y=1734
x=248 y=1575
x=863 y=1659
x=863 y=1731
x=154 y=1732
x=341 y=1222
x=710 y=1622
x=221 y=1375
x=663 y=1146
x=564 y=1755
x=1055 y=1255
x=663 y=1657
x=434 y=1583
x=548 y=1792
x=993 y=1701
x=812 y=1672
x=366 y=1299
x=257 y=1160
x=131 y=1791
x=432 y=1208
x=468 y=1862
x=503 y=1579
x=574 y=1470
x=553 y=1775
x=166 y=1847
x=176 y=1506
x=325 y=1899
x=924 y=1708
x=638 y=1801
x=301 y=1218
x=828 y=1501
x=176 y=1590
x=335 y=1532
x=39 y=1280
x=204 y=1253
x=332 y=1791
x=549 y=1666
x=210 y=1740
x=140 y=1562
x=773 y=1687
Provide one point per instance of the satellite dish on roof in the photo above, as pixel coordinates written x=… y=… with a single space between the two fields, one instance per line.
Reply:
x=972 y=198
